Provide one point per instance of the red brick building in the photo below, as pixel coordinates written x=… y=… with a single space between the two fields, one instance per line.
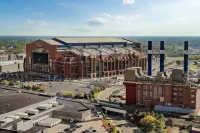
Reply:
x=165 y=92
x=82 y=57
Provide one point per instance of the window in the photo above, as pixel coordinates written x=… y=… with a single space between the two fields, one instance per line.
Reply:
x=72 y=68
x=192 y=90
x=180 y=89
x=76 y=69
x=174 y=88
x=174 y=93
x=109 y=66
x=155 y=92
x=174 y=99
x=123 y=64
x=138 y=95
x=180 y=93
x=192 y=101
x=105 y=66
x=192 y=96
x=126 y=64
x=150 y=94
x=113 y=65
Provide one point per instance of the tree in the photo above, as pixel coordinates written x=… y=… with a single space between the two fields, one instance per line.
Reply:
x=178 y=62
x=195 y=62
x=170 y=122
x=192 y=116
x=148 y=123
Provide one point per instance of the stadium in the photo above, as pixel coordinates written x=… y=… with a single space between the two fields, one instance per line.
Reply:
x=73 y=58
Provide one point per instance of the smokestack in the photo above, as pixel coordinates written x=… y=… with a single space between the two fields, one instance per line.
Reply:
x=162 y=56
x=149 y=58
x=186 y=57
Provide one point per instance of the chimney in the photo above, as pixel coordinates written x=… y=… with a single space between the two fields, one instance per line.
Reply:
x=185 y=57
x=162 y=56
x=149 y=58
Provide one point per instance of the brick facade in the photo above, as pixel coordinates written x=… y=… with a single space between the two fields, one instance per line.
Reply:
x=152 y=94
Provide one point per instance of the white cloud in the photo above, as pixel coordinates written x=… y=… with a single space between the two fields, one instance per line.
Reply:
x=36 y=22
x=62 y=4
x=113 y=20
x=128 y=1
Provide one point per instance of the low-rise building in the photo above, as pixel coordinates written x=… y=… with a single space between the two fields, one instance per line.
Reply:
x=11 y=66
x=14 y=115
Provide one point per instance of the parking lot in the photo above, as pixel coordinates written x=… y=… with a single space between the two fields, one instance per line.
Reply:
x=54 y=87
x=95 y=123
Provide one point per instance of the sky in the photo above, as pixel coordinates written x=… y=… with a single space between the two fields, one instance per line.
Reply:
x=99 y=18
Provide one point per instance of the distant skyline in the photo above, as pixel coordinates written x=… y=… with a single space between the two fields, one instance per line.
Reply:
x=99 y=18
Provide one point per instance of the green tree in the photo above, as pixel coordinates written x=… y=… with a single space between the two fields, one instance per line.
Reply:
x=148 y=123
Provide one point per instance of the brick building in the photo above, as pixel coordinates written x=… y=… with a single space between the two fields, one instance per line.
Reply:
x=82 y=57
x=164 y=92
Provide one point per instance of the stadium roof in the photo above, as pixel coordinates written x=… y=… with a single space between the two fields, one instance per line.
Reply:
x=92 y=40
x=52 y=42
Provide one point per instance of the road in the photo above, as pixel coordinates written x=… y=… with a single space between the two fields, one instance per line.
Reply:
x=104 y=95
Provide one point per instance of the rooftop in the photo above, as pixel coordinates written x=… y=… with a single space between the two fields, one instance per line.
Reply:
x=92 y=40
x=10 y=100
x=72 y=106
x=52 y=42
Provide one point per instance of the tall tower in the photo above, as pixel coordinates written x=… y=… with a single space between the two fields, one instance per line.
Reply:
x=149 y=58
x=162 y=56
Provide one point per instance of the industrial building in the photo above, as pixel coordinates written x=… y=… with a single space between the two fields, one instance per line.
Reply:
x=28 y=113
x=167 y=91
x=82 y=57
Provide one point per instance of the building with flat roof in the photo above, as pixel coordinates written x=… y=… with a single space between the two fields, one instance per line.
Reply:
x=82 y=57
x=11 y=66
x=165 y=92
x=30 y=113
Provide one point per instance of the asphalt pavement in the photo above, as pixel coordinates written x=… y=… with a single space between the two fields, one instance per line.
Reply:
x=104 y=95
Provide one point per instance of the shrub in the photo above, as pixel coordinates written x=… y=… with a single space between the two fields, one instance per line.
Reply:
x=11 y=83
x=67 y=93
x=5 y=82
x=192 y=116
x=26 y=87
x=79 y=95
x=42 y=89
x=18 y=82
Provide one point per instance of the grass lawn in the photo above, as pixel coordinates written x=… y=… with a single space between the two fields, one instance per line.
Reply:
x=193 y=66
x=96 y=94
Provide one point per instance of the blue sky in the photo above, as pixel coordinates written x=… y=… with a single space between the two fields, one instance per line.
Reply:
x=100 y=17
